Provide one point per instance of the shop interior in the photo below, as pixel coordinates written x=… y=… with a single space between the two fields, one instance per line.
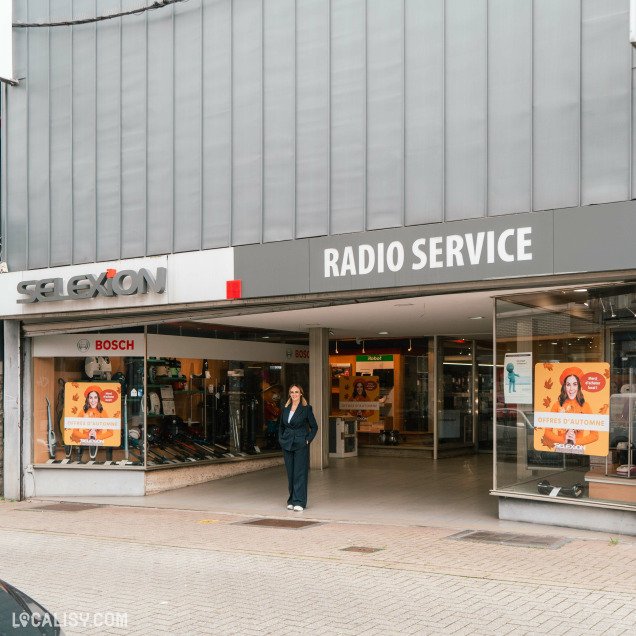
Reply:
x=408 y=379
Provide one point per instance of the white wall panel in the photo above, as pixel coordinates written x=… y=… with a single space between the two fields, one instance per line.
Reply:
x=424 y=111
x=557 y=85
x=509 y=106
x=385 y=113
x=465 y=109
x=348 y=116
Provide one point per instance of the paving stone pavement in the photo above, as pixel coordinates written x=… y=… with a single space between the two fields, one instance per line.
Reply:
x=192 y=572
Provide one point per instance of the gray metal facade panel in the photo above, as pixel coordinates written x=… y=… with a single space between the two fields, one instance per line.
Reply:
x=61 y=151
x=556 y=104
x=216 y=187
x=107 y=135
x=187 y=126
x=279 y=108
x=509 y=106
x=605 y=101
x=633 y=175
x=15 y=166
x=423 y=111
x=465 y=110
x=312 y=118
x=133 y=137
x=385 y=114
x=247 y=141
x=38 y=142
x=218 y=122
x=348 y=116
x=160 y=124
x=84 y=150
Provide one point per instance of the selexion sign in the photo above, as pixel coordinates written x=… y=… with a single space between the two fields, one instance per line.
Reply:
x=453 y=250
x=109 y=283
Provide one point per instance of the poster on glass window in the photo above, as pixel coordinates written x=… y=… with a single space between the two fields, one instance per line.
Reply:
x=360 y=396
x=571 y=407
x=92 y=414
x=518 y=378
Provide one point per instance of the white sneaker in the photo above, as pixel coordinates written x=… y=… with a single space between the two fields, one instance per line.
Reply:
x=298 y=508
x=290 y=507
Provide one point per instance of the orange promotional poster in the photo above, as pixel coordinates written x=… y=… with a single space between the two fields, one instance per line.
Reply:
x=571 y=407
x=360 y=396
x=92 y=414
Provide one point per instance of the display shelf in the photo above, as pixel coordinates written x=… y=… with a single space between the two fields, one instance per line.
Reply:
x=610 y=486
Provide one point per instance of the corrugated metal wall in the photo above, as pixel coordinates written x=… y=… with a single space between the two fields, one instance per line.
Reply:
x=215 y=123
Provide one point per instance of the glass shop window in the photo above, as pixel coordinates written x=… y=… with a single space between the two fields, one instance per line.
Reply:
x=566 y=394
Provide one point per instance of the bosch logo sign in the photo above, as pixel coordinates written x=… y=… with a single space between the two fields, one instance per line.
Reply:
x=83 y=345
x=109 y=283
x=289 y=354
x=301 y=353
x=114 y=345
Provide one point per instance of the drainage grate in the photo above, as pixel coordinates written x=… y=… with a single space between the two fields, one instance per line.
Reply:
x=511 y=539
x=63 y=507
x=290 y=524
x=357 y=548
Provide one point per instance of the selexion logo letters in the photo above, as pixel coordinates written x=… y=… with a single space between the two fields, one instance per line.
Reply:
x=109 y=283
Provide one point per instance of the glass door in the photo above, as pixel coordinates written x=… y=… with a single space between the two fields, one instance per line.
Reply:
x=484 y=401
x=455 y=393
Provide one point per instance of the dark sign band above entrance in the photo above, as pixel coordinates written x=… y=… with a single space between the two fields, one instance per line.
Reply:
x=109 y=283
x=452 y=252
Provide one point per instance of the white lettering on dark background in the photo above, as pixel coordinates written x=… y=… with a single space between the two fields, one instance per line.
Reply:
x=454 y=250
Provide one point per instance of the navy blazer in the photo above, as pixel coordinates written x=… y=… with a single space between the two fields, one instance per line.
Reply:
x=302 y=428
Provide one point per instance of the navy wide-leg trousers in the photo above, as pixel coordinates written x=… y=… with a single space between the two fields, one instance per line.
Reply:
x=297 y=465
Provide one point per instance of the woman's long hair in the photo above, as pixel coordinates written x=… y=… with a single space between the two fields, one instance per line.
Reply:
x=579 y=394
x=303 y=401
x=99 y=406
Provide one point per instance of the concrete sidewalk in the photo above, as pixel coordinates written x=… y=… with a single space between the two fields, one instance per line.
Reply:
x=177 y=571
x=188 y=562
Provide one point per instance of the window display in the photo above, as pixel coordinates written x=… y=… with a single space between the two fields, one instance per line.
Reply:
x=161 y=410
x=575 y=440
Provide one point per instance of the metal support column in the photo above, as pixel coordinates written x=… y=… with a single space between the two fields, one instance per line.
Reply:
x=319 y=395
x=12 y=464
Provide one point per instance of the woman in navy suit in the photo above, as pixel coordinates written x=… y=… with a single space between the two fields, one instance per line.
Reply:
x=296 y=430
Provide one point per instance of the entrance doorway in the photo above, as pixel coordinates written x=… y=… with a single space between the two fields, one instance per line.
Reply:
x=432 y=396
x=465 y=395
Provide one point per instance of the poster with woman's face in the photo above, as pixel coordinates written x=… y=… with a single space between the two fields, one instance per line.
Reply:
x=571 y=407
x=359 y=395
x=92 y=414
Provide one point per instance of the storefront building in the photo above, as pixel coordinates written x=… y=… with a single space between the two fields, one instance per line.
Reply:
x=206 y=202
